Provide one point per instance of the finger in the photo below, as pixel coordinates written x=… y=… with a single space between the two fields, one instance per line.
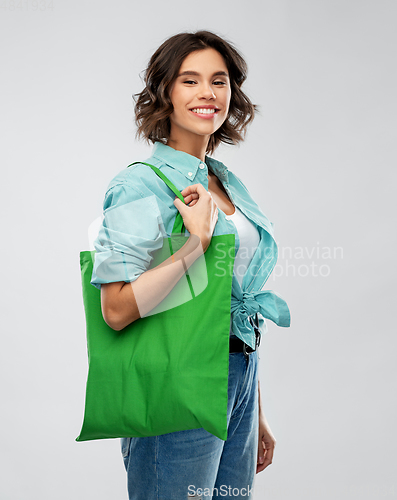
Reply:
x=179 y=204
x=190 y=197
x=259 y=468
x=260 y=464
x=261 y=453
x=188 y=201
x=194 y=188
x=268 y=457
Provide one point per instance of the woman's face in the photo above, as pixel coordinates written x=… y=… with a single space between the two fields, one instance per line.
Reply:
x=200 y=95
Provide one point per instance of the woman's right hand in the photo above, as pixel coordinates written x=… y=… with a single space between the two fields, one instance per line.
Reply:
x=200 y=213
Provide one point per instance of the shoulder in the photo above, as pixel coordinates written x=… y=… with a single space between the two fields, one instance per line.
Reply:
x=131 y=186
x=139 y=179
x=138 y=189
x=136 y=176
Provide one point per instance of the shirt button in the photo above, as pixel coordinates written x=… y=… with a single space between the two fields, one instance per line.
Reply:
x=202 y=165
x=190 y=174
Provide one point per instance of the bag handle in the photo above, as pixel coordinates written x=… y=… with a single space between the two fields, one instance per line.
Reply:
x=179 y=226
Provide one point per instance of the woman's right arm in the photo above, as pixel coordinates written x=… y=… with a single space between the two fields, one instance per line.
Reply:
x=122 y=303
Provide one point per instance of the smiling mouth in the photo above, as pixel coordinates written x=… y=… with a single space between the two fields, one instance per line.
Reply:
x=204 y=111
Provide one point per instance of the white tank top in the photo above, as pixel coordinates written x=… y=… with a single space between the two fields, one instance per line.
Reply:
x=249 y=241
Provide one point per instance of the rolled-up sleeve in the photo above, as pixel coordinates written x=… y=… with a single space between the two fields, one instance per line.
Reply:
x=132 y=230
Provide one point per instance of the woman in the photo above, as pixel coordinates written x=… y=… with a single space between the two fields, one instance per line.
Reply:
x=192 y=101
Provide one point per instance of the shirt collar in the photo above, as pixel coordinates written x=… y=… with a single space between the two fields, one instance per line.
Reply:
x=186 y=163
x=219 y=169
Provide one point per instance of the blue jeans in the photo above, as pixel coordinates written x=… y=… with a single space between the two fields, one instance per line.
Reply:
x=195 y=464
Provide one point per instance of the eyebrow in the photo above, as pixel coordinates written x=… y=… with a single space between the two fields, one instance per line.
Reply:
x=194 y=73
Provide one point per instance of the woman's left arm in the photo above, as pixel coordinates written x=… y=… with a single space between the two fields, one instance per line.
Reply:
x=266 y=440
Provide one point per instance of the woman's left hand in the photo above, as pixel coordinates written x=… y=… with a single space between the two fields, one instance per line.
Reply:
x=266 y=444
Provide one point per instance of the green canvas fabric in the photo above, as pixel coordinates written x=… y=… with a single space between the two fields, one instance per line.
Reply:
x=167 y=371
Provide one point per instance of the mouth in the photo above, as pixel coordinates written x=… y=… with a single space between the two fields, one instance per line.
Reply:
x=205 y=112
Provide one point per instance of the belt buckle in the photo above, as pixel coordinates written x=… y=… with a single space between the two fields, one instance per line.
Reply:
x=257 y=342
x=255 y=324
x=257 y=338
x=247 y=353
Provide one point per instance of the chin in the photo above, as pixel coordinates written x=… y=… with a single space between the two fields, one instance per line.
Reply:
x=205 y=130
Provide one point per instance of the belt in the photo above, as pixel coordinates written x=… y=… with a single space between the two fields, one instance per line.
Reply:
x=237 y=345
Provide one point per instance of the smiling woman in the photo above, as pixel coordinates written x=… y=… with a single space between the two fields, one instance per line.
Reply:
x=192 y=102
x=154 y=106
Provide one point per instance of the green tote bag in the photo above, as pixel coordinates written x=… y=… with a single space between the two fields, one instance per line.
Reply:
x=167 y=371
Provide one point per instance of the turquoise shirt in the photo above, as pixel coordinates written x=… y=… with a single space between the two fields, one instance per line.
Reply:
x=139 y=212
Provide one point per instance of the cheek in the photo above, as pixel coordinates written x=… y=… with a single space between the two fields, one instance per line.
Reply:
x=174 y=100
x=176 y=115
x=178 y=98
x=225 y=100
x=228 y=97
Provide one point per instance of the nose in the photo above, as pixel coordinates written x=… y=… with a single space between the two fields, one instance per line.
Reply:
x=206 y=92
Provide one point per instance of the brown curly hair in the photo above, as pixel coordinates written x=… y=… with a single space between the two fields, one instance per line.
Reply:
x=153 y=105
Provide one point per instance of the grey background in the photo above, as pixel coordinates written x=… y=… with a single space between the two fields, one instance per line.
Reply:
x=320 y=159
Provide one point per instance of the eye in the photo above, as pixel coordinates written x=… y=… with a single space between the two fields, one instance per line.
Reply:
x=189 y=81
x=219 y=83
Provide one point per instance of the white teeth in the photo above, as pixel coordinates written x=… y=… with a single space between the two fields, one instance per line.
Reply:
x=204 y=111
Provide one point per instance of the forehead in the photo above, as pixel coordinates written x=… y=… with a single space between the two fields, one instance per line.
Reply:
x=209 y=59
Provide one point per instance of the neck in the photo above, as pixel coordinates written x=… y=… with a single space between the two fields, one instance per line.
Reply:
x=195 y=146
